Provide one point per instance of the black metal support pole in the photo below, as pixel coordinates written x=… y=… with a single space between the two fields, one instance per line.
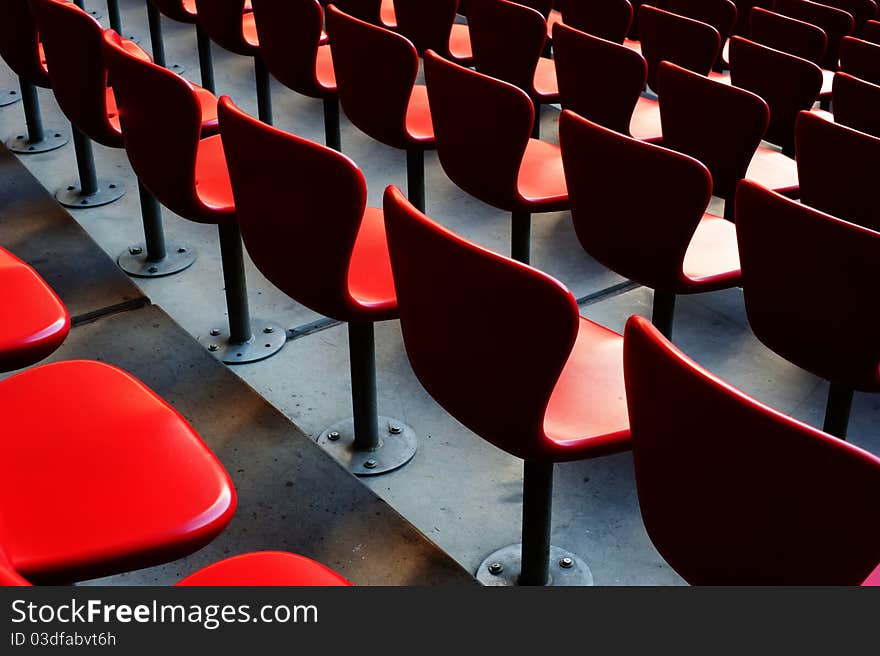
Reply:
x=415 y=177
x=520 y=236
x=362 y=355
x=113 y=15
x=264 y=91
x=232 y=255
x=80 y=3
x=157 y=43
x=85 y=162
x=536 y=126
x=206 y=63
x=837 y=410
x=332 y=131
x=663 y=316
x=154 y=233
x=729 y=209
x=537 y=511
x=31 y=103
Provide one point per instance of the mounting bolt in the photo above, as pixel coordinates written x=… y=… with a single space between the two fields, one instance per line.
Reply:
x=566 y=563
x=152 y=269
x=215 y=332
x=333 y=436
x=268 y=330
x=370 y=464
x=495 y=568
x=213 y=347
x=181 y=250
x=394 y=429
x=135 y=250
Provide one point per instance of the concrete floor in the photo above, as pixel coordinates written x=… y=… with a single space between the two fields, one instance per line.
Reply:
x=461 y=492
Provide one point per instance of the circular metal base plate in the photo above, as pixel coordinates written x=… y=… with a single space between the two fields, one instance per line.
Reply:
x=9 y=96
x=180 y=69
x=503 y=566
x=108 y=191
x=268 y=338
x=179 y=256
x=51 y=140
x=397 y=447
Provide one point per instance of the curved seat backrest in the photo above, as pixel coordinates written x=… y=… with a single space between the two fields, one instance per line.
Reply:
x=720 y=14
x=861 y=11
x=366 y=10
x=788 y=84
x=72 y=44
x=319 y=209
x=860 y=58
x=787 y=34
x=607 y=201
x=20 y=43
x=426 y=23
x=375 y=73
x=598 y=79
x=718 y=124
x=481 y=126
x=145 y=91
x=290 y=33
x=855 y=102
x=684 y=41
x=606 y=19
x=507 y=39
x=836 y=24
x=818 y=311
x=742 y=26
x=222 y=20
x=728 y=486
x=497 y=376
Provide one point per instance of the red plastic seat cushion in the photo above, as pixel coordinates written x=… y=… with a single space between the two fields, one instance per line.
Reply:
x=712 y=258
x=460 y=42
x=418 y=117
x=545 y=82
x=265 y=568
x=212 y=177
x=370 y=281
x=541 y=181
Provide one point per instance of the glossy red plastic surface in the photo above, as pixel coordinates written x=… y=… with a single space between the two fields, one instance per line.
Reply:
x=836 y=24
x=33 y=320
x=265 y=568
x=549 y=390
x=376 y=78
x=430 y=24
x=684 y=41
x=720 y=14
x=731 y=491
x=818 y=311
x=606 y=19
x=483 y=126
x=871 y=31
x=290 y=36
x=227 y=23
x=718 y=124
x=508 y=39
x=20 y=43
x=600 y=80
x=673 y=247
x=855 y=103
x=787 y=34
x=832 y=167
x=183 y=11
x=119 y=474
x=377 y=12
x=860 y=10
x=187 y=175
x=788 y=84
x=743 y=10
x=860 y=58
x=331 y=226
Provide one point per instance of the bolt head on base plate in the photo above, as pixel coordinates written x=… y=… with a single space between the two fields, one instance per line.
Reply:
x=502 y=568
x=51 y=140
x=108 y=190
x=398 y=445
x=179 y=256
x=9 y=96
x=267 y=338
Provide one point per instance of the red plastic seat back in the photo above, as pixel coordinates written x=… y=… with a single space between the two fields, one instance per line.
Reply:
x=809 y=282
x=175 y=10
x=732 y=491
x=366 y=10
x=72 y=43
x=860 y=58
x=860 y=10
x=718 y=124
x=788 y=84
x=20 y=43
x=720 y=14
x=8 y=575
x=598 y=79
x=609 y=176
x=836 y=24
x=507 y=39
x=742 y=26
x=319 y=209
x=871 y=31
x=162 y=152
x=543 y=7
x=289 y=34
x=222 y=21
x=606 y=19
x=426 y=23
x=375 y=73
x=834 y=171
x=681 y=40
x=788 y=35
x=855 y=103
x=495 y=377
x=482 y=126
